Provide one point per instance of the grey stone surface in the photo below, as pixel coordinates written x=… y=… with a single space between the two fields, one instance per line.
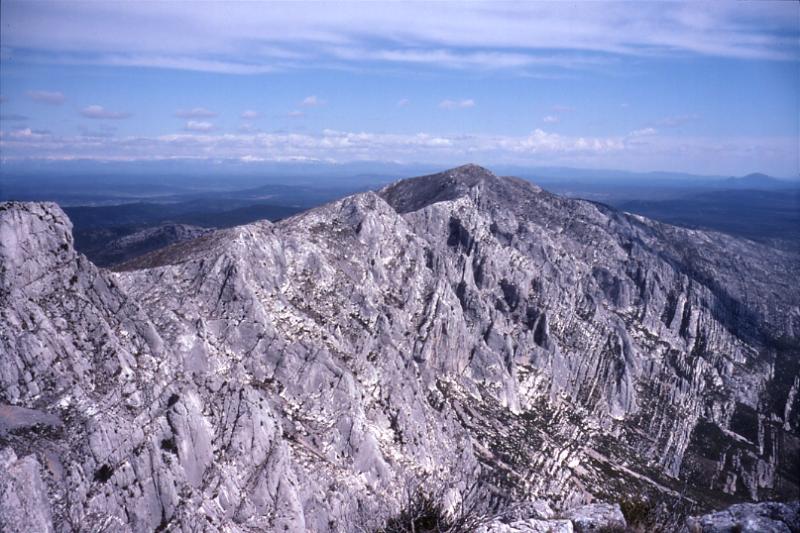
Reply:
x=597 y=517
x=448 y=331
x=24 y=504
x=532 y=525
x=766 y=517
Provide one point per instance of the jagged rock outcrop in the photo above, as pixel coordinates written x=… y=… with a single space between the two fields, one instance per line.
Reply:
x=461 y=333
x=531 y=525
x=597 y=517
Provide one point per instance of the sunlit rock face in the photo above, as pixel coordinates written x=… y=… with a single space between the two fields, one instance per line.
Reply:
x=461 y=334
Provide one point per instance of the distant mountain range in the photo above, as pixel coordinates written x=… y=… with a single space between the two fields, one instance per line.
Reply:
x=35 y=180
x=547 y=175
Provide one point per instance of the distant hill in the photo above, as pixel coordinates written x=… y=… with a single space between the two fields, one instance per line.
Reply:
x=759 y=181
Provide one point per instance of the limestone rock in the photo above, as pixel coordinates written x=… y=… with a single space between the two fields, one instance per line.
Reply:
x=597 y=517
x=24 y=503
x=459 y=334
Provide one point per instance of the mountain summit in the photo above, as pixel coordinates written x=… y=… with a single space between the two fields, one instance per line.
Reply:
x=464 y=337
x=415 y=193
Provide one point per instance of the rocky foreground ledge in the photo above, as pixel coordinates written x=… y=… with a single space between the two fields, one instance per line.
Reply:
x=767 y=517
x=463 y=337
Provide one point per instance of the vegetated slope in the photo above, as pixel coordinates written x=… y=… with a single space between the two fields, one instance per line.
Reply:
x=449 y=330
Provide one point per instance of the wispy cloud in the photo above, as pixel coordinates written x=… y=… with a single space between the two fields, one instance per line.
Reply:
x=403 y=102
x=551 y=119
x=247 y=128
x=197 y=112
x=177 y=62
x=27 y=134
x=295 y=114
x=312 y=101
x=457 y=104
x=198 y=125
x=46 y=97
x=250 y=114
x=100 y=112
x=644 y=132
x=470 y=35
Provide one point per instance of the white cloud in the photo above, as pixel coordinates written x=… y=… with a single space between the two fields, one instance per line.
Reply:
x=251 y=159
x=465 y=60
x=198 y=125
x=178 y=62
x=403 y=102
x=295 y=114
x=340 y=145
x=27 y=134
x=730 y=155
x=197 y=112
x=644 y=132
x=551 y=119
x=100 y=112
x=46 y=97
x=250 y=114
x=312 y=101
x=457 y=104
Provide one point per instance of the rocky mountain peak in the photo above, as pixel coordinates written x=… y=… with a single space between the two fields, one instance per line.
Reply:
x=415 y=193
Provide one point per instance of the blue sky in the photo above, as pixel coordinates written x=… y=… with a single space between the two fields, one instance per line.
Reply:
x=691 y=87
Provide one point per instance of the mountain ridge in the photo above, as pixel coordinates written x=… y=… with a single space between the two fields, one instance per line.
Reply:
x=549 y=350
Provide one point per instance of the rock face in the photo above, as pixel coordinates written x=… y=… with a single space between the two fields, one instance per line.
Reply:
x=597 y=517
x=458 y=334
